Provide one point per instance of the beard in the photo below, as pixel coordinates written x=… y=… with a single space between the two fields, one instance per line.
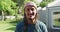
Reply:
x=32 y=17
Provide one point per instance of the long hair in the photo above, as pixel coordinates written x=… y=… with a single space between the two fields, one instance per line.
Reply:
x=26 y=22
x=25 y=18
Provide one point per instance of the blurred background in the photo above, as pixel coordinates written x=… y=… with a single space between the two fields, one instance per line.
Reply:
x=12 y=12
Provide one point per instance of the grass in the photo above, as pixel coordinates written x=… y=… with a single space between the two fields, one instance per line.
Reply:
x=56 y=22
x=8 y=25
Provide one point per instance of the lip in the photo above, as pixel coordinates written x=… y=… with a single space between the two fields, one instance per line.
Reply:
x=31 y=14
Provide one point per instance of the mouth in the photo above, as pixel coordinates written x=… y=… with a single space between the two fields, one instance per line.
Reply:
x=31 y=14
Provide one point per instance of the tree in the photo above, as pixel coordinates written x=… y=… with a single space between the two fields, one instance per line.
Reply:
x=41 y=3
x=7 y=6
x=44 y=3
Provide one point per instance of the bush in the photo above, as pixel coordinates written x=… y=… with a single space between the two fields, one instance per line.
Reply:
x=43 y=4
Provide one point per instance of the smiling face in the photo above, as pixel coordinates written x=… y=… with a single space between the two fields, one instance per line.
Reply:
x=30 y=12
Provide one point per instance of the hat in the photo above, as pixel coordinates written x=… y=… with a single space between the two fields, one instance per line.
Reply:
x=30 y=3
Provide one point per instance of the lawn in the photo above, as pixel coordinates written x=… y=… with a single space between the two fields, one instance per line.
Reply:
x=8 y=25
x=56 y=22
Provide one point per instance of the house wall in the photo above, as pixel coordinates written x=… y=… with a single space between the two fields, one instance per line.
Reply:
x=47 y=17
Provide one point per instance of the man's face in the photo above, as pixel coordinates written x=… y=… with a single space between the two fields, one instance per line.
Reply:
x=30 y=12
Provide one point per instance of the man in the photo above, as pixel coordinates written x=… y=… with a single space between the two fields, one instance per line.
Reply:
x=30 y=22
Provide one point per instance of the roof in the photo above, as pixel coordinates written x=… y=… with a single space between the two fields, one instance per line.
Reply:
x=54 y=3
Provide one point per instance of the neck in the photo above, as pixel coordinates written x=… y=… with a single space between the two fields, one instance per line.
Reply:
x=31 y=21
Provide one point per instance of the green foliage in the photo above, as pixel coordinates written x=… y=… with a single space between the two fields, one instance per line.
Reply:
x=43 y=4
x=56 y=22
x=9 y=25
x=48 y=0
x=22 y=2
x=7 y=5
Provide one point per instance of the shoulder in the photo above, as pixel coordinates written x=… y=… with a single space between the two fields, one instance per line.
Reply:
x=42 y=26
x=40 y=23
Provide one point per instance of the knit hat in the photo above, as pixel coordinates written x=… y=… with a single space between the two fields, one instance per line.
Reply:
x=30 y=4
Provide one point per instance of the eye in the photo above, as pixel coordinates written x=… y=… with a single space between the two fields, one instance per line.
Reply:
x=32 y=9
x=27 y=9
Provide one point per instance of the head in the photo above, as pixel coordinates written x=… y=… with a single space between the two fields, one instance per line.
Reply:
x=30 y=11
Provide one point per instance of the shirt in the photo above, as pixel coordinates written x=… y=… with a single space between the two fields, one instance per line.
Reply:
x=38 y=27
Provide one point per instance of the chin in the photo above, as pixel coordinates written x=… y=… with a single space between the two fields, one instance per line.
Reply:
x=31 y=18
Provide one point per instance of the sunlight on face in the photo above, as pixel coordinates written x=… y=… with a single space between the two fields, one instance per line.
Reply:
x=30 y=12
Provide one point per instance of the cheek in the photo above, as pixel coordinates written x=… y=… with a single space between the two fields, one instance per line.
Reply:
x=35 y=12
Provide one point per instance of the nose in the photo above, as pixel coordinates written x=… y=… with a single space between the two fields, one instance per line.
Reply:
x=31 y=11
